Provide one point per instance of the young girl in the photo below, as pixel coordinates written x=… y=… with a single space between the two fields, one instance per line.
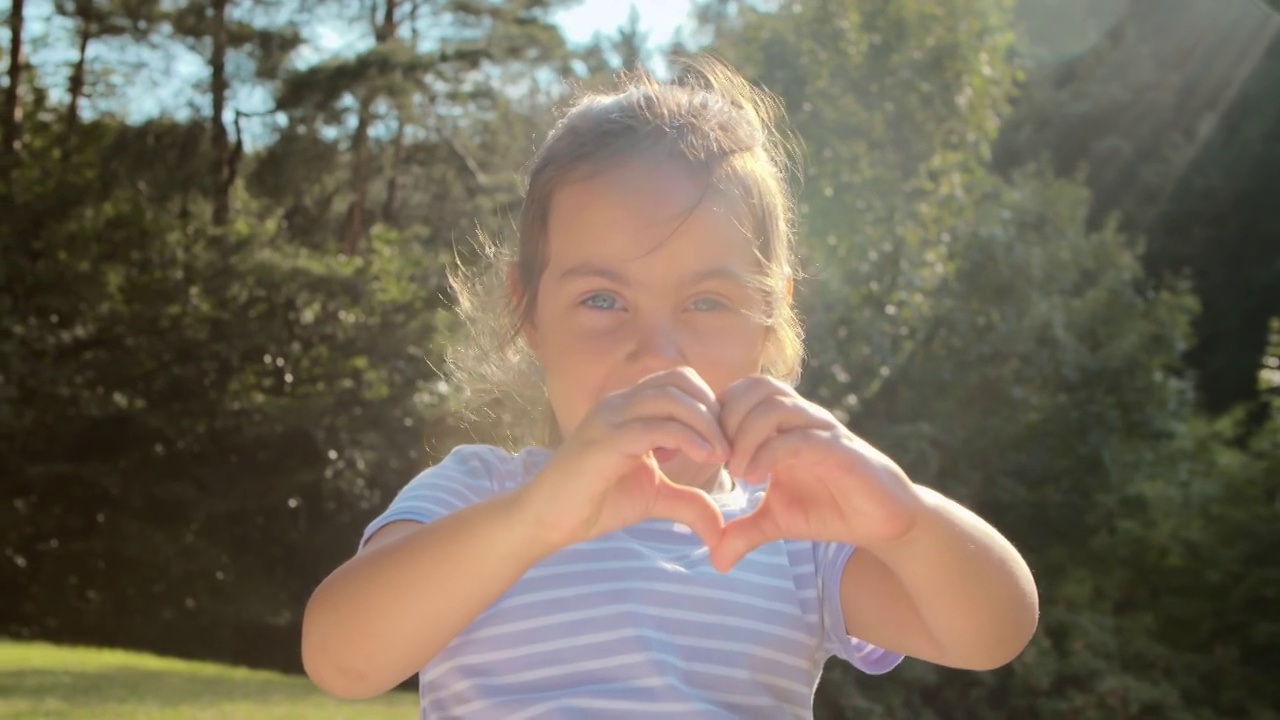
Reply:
x=684 y=545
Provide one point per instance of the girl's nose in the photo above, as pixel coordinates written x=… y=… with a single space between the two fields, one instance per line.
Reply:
x=657 y=348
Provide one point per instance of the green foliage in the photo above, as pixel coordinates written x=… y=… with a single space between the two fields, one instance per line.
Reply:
x=1173 y=120
x=897 y=104
x=197 y=422
x=1004 y=348
x=189 y=399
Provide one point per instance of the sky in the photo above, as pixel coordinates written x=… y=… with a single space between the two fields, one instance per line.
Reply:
x=658 y=18
x=579 y=21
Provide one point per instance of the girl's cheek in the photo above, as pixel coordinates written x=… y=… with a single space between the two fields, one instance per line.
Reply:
x=732 y=346
x=594 y=342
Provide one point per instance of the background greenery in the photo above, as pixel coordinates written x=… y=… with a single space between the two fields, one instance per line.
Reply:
x=1044 y=274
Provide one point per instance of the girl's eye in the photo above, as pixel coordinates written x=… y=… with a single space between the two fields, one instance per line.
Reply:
x=601 y=301
x=708 y=304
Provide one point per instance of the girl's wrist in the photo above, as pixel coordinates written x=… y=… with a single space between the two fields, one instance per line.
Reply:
x=532 y=518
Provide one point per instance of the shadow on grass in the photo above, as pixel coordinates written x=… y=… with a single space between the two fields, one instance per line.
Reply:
x=152 y=687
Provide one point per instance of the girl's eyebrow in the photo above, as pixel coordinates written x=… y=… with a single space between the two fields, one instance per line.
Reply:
x=593 y=270
x=723 y=272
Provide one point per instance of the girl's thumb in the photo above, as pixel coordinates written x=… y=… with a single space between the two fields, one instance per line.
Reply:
x=691 y=507
x=740 y=537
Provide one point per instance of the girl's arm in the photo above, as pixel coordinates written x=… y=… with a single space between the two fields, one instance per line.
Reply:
x=952 y=591
x=929 y=579
x=385 y=613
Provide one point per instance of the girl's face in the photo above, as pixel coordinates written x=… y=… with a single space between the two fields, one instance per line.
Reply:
x=643 y=277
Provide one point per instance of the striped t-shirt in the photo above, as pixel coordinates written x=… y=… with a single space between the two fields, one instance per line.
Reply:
x=637 y=622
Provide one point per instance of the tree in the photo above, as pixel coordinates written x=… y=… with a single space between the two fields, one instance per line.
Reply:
x=897 y=104
x=1007 y=349
x=397 y=83
x=204 y=403
x=96 y=19
x=11 y=137
x=1172 y=119
x=215 y=31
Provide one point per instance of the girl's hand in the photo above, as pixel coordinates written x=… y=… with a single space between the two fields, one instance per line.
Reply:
x=825 y=483
x=604 y=476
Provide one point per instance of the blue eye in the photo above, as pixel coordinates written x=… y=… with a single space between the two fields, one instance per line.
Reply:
x=601 y=301
x=708 y=304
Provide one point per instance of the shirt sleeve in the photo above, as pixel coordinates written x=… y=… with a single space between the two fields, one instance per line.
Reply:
x=830 y=560
x=467 y=475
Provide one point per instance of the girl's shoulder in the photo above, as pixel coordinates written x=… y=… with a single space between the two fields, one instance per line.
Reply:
x=491 y=464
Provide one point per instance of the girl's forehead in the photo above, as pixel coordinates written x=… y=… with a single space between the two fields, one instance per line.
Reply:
x=651 y=190
x=645 y=207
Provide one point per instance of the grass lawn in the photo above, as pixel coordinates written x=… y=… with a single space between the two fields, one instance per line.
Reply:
x=51 y=682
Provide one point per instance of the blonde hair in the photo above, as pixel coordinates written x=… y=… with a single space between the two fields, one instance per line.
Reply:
x=710 y=120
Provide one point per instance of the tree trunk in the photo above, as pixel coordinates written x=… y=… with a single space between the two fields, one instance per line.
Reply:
x=77 y=76
x=387 y=29
x=390 y=204
x=222 y=174
x=12 y=129
x=354 y=230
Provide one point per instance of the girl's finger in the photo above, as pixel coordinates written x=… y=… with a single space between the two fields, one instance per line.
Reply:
x=643 y=435
x=771 y=416
x=779 y=449
x=673 y=403
x=687 y=380
x=739 y=398
x=742 y=536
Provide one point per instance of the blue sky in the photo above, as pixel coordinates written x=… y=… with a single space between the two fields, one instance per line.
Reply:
x=659 y=18
x=579 y=21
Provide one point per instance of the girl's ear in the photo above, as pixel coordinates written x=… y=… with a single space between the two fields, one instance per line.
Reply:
x=527 y=329
x=791 y=282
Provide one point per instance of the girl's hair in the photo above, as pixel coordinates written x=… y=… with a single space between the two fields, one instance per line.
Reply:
x=708 y=119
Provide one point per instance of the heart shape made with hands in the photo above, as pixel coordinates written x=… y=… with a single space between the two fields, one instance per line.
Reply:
x=823 y=483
